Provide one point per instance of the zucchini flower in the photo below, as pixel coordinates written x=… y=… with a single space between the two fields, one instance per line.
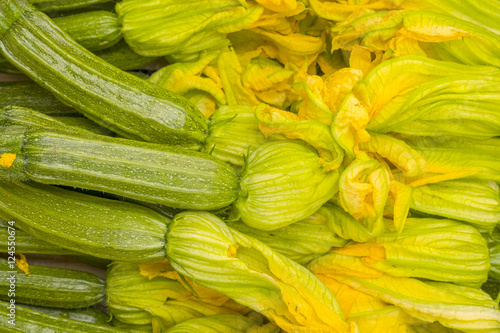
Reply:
x=435 y=249
x=161 y=301
x=459 y=105
x=484 y=14
x=301 y=241
x=225 y=323
x=448 y=157
x=204 y=249
x=382 y=96
x=454 y=306
x=476 y=202
x=233 y=134
x=185 y=77
x=166 y=27
x=282 y=183
x=423 y=33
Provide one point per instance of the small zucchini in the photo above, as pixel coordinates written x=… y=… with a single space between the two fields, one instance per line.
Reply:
x=63 y=5
x=30 y=95
x=29 y=320
x=88 y=315
x=95 y=30
x=51 y=287
x=115 y=99
x=121 y=56
x=100 y=227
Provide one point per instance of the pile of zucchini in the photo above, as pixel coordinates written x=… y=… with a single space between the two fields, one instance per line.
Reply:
x=306 y=200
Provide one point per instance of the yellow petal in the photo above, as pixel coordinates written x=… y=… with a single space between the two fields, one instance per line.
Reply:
x=348 y=127
x=279 y=5
x=370 y=252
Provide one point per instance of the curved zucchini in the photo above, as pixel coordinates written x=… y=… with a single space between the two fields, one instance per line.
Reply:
x=52 y=287
x=30 y=95
x=112 y=98
x=142 y=171
x=29 y=320
x=99 y=227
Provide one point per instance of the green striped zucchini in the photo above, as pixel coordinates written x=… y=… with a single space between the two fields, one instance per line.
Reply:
x=121 y=56
x=100 y=227
x=50 y=286
x=88 y=315
x=63 y=5
x=95 y=30
x=142 y=171
x=112 y=98
x=30 y=95
x=26 y=243
x=29 y=320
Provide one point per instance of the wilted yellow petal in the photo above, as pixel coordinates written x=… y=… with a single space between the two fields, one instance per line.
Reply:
x=348 y=127
x=230 y=73
x=370 y=253
x=7 y=159
x=318 y=135
x=335 y=11
x=338 y=85
x=402 y=196
x=279 y=5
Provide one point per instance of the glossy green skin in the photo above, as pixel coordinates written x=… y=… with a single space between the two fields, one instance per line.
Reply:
x=28 y=320
x=117 y=100
x=30 y=95
x=60 y=5
x=142 y=171
x=52 y=287
x=94 y=31
x=100 y=227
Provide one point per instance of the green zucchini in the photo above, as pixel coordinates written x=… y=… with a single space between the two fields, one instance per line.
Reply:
x=26 y=243
x=29 y=320
x=62 y=5
x=30 y=95
x=138 y=170
x=86 y=124
x=99 y=227
x=88 y=315
x=112 y=98
x=96 y=30
x=121 y=56
x=50 y=286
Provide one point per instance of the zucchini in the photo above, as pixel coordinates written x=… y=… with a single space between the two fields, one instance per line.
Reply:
x=86 y=124
x=121 y=56
x=88 y=315
x=30 y=95
x=62 y=5
x=25 y=243
x=96 y=30
x=117 y=100
x=29 y=320
x=51 y=287
x=99 y=227
x=138 y=170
